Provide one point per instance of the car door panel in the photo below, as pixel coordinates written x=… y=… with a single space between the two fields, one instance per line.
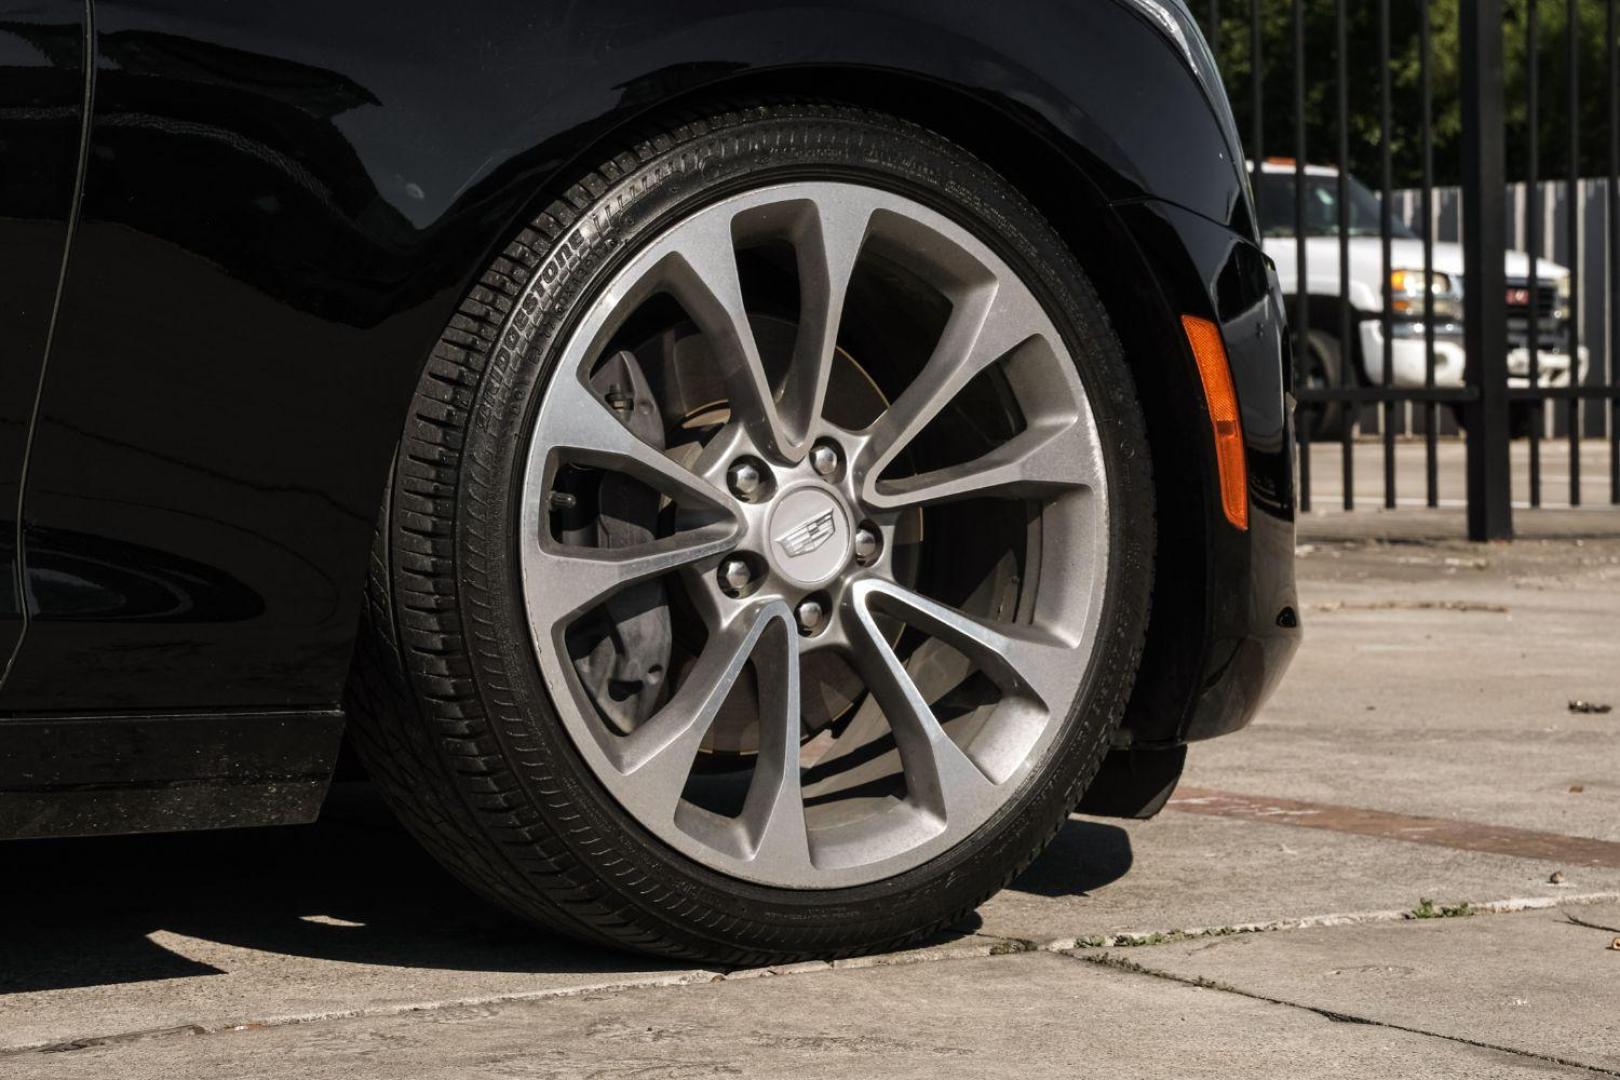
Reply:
x=41 y=112
x=210 y=443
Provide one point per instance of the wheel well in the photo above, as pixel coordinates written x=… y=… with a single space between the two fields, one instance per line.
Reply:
x=1060 y=187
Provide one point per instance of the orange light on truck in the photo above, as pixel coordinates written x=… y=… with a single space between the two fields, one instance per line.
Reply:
x=1221 y=397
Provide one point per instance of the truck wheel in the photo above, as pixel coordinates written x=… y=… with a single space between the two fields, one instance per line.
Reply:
x=1324 y=360
x=767 y=561
x=1521 y=418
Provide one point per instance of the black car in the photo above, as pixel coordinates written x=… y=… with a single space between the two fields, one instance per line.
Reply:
x=737 y=474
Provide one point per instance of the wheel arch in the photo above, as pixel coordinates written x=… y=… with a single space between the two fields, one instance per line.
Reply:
x=1071 y=188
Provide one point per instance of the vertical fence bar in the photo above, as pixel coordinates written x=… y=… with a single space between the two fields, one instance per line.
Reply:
x=1490 y=507
x=1431 y=449
x=1302 y=291
x=1572 y=38
x=1614 y=256
x=1532 y=229
x=1257 y=93
x=1386 y=231
x=1347 y=324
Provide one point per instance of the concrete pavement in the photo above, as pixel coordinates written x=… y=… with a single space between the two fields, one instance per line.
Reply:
x=1233 y=935
x=1029 y=1015
x=1541 y=982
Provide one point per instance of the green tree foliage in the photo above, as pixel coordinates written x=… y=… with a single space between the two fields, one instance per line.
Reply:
x=1230 y=35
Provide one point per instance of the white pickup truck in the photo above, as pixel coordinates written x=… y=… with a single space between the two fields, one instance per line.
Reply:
x=1274 y=192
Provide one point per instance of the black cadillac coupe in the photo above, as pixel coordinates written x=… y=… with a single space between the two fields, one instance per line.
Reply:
x=738 y=474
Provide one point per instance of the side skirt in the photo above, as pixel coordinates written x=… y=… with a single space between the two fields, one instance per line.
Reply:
x=99 y=775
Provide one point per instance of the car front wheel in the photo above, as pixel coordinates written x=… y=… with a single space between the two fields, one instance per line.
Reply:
x=768 y=555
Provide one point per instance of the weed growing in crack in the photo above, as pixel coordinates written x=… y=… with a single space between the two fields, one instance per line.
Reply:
x=1427 y=909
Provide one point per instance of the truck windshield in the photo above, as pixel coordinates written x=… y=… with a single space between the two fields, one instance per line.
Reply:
x=1275 y=194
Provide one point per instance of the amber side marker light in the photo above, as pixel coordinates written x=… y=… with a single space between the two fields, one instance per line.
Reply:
x=1210 y=352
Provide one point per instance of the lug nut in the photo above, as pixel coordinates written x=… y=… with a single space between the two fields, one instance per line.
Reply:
x=735 y=575
x=745 y=479
x=810 y=615
x=824 y=459
x=867 y=543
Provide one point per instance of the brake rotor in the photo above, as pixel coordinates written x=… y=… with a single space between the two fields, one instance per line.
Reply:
x=621 y=653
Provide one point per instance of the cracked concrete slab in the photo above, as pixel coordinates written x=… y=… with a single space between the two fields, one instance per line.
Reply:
x=349 y=916
x=1180 y=871
x=1460 y=714
x=139 y=933
x=1026 y=1016
x=1536 y=982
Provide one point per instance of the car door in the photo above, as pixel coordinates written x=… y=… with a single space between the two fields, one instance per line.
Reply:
x=42 y=95
x=217 y=415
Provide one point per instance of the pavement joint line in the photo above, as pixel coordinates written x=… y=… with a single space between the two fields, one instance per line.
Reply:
x=679 y=978
x=1131 y=938
x=1117 y=962
x=1457 y=835
x=971 y=946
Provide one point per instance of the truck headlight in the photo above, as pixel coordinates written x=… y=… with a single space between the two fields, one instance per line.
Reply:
x=1406 y=290
x=1561 y=310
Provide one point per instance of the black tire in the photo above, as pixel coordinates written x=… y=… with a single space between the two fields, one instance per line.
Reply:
x=1522 y=416
x=448 y=707
x=1324 y=363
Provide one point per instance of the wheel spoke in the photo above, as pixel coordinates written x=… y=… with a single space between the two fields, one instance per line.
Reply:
x=773 y=813
x=1051 y=457
x=985 y=325
x=1023 y=661
x=702 y=274
x=826 y=259
x=939 y=776
x=574 y=579
x=657 y=757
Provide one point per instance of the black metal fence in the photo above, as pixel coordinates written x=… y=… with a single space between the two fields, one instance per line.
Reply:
x=1396 y=319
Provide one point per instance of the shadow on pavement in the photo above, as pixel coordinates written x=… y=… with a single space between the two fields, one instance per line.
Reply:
x=354 y=887
x=1083 y=857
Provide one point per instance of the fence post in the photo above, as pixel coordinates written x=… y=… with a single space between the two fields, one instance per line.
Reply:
x=1490 y=507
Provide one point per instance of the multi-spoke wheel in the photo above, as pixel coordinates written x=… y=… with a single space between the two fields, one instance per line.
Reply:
x=769 y=556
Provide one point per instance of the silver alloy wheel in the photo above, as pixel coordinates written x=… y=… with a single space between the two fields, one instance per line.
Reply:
x=796 y=535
